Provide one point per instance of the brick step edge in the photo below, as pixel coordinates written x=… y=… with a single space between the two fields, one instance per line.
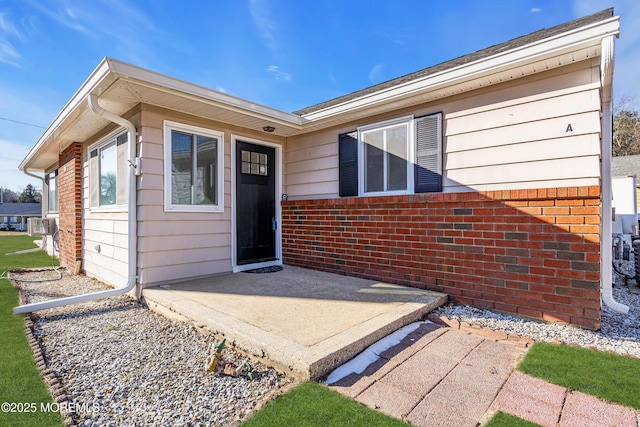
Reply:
x=500 y=336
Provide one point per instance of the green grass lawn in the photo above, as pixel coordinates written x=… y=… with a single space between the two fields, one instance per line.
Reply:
x=500 y=419
x=20 y=380
x=311 y=404
x=608 y=376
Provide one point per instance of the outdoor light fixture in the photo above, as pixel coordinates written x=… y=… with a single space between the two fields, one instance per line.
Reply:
x=268 y=129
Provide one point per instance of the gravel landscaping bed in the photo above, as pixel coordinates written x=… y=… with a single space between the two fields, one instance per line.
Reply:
x=121 y=364
x=619 y=332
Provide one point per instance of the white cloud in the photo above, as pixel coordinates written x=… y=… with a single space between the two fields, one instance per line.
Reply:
x=277 y=73
x=401 y=38
x=332 y=78
x=126 y=27
x=221 y=89
x=264 y=22
x=8 y=53
x=374 y=74
x=535 y=10
x=68 y=17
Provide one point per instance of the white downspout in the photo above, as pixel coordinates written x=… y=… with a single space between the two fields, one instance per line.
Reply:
x=132 y=219
x=606 y=271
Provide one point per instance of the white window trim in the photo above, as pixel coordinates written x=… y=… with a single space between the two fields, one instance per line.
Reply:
x=409 y=122
x=111 y=138
x=169 y=126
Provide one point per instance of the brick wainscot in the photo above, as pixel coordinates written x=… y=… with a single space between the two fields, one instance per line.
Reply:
x=531 y=252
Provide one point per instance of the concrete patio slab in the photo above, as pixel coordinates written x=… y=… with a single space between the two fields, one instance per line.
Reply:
x=304 y=320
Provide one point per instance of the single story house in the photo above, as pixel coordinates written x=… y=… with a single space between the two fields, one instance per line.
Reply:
x=15 y=215
x=485 y=177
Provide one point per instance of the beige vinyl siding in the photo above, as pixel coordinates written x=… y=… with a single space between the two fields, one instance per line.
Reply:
x=181 y=245
x=508 y=136
x=312 y=166
x=104 y=246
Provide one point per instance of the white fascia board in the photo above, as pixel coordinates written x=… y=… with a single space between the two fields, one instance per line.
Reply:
x=96 y=78
x=169 y=84
x=590 y=35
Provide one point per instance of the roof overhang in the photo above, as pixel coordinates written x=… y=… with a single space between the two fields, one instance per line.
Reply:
x=120 y=87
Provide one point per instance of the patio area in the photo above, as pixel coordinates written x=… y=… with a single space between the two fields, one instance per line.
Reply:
x=303 y=321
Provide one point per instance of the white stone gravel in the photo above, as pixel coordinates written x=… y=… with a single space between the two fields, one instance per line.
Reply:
x=124 y=365
x=619 y=332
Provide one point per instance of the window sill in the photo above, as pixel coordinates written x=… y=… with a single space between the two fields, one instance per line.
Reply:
x=194 y=209
x=386 y=193
x=109 y=209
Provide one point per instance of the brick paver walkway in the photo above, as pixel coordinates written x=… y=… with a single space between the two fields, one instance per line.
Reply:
x=551 y=405
x=440 y=376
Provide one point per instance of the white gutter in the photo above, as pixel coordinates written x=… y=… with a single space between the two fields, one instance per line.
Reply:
x=132 y=219
x=39 y=178
x=606 y=257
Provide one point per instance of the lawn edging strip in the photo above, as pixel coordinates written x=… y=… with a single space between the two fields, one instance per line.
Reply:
x=51 y=380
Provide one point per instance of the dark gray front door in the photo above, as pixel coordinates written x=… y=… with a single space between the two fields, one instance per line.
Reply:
x=255 y=203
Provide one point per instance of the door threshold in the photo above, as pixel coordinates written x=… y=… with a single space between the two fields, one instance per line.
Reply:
x=244 y=267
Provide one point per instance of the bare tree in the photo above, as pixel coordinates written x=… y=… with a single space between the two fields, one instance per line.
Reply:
x=626 y=127
x=9 y=196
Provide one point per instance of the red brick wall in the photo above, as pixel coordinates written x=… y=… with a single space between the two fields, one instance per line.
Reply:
x=531 y=252
x=70 y=205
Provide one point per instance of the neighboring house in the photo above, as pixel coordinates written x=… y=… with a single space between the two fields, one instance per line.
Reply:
x=14 y=215
x=626 y=166
x=485 y=177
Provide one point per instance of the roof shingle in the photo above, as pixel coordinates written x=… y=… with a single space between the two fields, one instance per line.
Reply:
x=20 y=209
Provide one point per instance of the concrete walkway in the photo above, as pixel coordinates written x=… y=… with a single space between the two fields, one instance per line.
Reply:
x=305 y=322
x=439 y=376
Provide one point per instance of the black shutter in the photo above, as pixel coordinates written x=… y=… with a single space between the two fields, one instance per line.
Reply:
x=348 y=163
x=428 y=167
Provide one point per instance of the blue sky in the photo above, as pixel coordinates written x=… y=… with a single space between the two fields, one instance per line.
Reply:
x=284 y=54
